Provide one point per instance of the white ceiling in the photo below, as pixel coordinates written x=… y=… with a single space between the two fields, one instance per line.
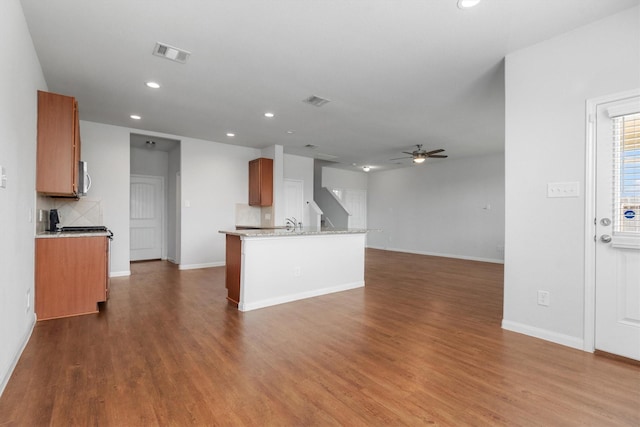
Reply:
x=397 y=72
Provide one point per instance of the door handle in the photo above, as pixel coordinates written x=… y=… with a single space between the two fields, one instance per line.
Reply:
x=605 y=238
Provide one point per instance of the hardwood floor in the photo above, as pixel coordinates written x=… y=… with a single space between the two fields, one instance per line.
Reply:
x=420 y=344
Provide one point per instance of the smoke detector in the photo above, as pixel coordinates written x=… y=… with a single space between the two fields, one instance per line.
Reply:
x=316 y=101
x=170 y=52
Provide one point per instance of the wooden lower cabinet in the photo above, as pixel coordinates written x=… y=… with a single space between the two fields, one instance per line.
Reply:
x=233 y=264
x=71 y=275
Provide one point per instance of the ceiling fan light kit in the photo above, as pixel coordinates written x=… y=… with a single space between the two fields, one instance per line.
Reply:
x=466 y=4
x=419 y=155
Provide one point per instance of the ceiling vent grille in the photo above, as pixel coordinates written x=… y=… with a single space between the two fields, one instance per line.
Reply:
x=169 y=52
x=316 y=101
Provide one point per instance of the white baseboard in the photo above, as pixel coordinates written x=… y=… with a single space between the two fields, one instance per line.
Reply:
x=205 y=265
x=469 y=258
x=16 y=357
x=544 y=334
x=295 y=297
x=120 y=273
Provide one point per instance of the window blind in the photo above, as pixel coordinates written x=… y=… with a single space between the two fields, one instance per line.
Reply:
x=626 y=179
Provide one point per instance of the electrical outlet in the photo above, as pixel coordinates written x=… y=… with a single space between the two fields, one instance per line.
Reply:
x=297 y=271
x=28 y=300
x=543 y=298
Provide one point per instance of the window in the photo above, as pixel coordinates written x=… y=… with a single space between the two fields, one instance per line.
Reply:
x=626 y=180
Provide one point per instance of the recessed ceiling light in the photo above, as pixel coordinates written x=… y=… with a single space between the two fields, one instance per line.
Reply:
x=269 y=115
x=153 y=85
x=135 y=117
x=231 y=134
x=290 y=132
x=466 y=4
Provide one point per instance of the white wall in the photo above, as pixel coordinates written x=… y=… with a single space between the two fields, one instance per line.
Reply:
x=173 y=205
x=276 y=210
x=301 y=168
x=149 y=162
x=20 y=78
x=452 y=207
x=106 y=149
x=214 y=179
x=546 y=89
x=340 y=178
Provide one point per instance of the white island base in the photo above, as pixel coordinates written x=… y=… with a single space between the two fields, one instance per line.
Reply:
x=266 y=268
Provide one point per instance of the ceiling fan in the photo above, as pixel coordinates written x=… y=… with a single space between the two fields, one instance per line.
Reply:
x=421 y=155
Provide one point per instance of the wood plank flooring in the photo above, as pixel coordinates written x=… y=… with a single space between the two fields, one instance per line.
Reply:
x=420 y=344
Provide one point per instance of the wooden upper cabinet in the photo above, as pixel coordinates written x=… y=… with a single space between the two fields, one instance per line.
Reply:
x=58 y=145
x=261 y=182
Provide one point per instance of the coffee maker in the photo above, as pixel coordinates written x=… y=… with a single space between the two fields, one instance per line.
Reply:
x=54 y=220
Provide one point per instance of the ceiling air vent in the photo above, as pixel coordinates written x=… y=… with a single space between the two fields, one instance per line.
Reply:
x=170 y=52
x=316 y=101
x=311 y=146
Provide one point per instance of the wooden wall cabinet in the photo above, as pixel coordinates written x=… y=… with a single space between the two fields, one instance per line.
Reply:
x=71 y=275
x=58 y=145
x=261 y=182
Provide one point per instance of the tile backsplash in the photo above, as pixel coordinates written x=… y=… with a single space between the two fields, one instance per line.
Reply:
x=254 y=216
x=247 y=215
x=80 y=212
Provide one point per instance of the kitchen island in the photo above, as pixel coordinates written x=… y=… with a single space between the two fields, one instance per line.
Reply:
x=265 y=267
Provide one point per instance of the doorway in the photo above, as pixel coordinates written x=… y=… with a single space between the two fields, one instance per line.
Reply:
x=612 y=255
x=155 y=159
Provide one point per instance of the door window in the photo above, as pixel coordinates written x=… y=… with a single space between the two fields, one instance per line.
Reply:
x=626 y=179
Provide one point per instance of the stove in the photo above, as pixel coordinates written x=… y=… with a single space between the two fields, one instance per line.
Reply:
x=84 y=229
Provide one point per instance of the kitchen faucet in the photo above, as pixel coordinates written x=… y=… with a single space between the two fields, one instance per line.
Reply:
x=291 y=221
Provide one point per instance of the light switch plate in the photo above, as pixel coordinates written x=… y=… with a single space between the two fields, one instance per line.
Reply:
x=3 y=177
x=563 y=189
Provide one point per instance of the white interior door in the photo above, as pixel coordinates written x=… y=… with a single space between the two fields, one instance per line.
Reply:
x=294 y=200
x=356 y=203
x=145 y=217
x=617 y=225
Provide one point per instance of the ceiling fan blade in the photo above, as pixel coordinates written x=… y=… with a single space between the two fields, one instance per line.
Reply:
x=438 y=156
x=402 y=158
x=429 y=153
x=406 y=152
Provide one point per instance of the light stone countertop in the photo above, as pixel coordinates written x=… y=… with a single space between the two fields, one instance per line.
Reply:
x=283 y=232
x=58 y=234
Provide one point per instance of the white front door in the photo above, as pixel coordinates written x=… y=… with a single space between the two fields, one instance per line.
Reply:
x=617 y=226
x=145 y=217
